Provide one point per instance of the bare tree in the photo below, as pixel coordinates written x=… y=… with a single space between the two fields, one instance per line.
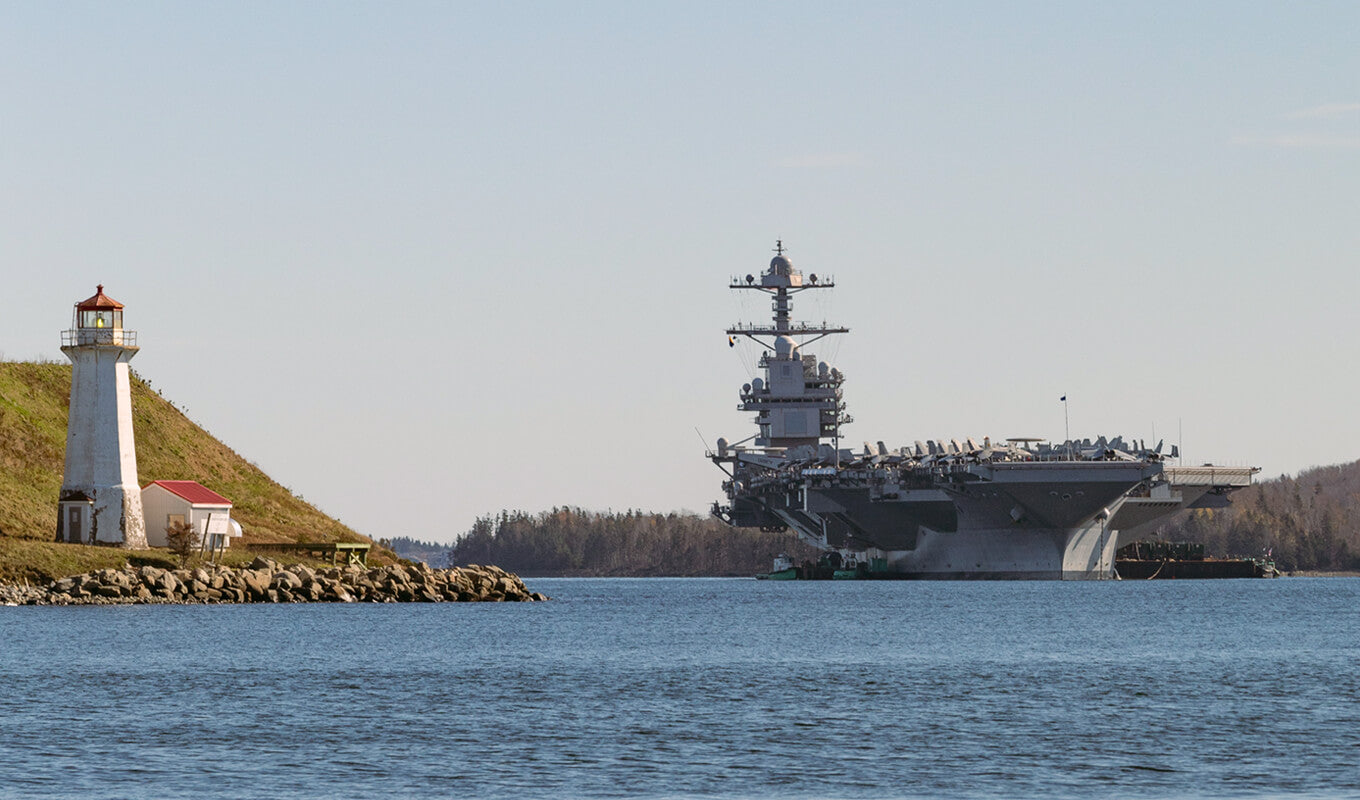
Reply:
x=181 y=538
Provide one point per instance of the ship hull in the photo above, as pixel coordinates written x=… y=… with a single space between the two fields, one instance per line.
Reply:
x=1084 y=552
x=996 y=522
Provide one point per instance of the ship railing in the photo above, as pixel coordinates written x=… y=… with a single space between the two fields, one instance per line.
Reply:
x=1214 y=475
x=823 y=398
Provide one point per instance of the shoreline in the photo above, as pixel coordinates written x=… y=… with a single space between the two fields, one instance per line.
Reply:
x=266 y=581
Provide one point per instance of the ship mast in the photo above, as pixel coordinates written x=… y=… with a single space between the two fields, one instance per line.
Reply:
x=799 y=402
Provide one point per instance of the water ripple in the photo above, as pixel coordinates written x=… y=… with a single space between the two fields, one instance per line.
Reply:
x=661 y=688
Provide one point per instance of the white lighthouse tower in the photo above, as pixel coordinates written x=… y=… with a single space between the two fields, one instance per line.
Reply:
x=101 y=502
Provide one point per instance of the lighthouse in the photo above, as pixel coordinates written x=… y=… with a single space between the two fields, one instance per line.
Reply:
x=101 y=501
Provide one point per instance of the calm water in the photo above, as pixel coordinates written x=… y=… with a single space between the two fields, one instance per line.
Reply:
x=726 y=688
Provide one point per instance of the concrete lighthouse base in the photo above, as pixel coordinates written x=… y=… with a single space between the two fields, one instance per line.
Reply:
x=118 y=517
x=106 y=515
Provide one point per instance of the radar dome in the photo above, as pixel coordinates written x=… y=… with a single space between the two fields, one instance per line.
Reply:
x=785 y=347
x=780 y=265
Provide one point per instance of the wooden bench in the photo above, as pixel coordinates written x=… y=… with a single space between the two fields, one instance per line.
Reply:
x=350 y=552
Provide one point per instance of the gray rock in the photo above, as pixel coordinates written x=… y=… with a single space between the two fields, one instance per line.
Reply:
x=256 y=582
x=263 y=563
x=286 y=580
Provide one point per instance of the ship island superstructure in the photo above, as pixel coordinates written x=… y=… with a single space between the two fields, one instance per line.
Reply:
x=1020 y=508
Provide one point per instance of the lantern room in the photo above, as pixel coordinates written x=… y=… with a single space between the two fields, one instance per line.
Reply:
x=100 y=311
x=99 y=320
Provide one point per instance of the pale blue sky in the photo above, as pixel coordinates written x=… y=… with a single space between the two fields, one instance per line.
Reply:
x=425 y=261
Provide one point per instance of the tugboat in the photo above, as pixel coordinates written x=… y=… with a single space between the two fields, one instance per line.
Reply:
x=783 y=570
x=1017 y=508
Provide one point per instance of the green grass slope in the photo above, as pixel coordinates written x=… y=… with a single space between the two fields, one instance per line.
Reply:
x=33 y=405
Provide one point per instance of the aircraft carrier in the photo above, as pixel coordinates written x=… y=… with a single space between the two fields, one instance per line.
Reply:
x=1020 y=508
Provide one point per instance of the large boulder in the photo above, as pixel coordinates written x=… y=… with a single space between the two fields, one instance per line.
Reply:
x=267 y=564
x=256 y=582
x=286 y=580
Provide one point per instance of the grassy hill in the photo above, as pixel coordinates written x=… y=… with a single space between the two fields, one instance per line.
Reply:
x=33 y=405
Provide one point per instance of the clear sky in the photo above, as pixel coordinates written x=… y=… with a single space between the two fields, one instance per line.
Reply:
x=426 y=261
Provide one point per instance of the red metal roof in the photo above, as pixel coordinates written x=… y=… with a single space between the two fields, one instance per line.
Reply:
x=192 y=491
x=100 y=300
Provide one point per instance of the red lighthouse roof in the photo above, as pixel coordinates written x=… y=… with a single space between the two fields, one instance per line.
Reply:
x=99 y=301
x=192 y=491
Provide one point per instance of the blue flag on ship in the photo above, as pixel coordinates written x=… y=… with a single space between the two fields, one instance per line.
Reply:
x=1062 y=399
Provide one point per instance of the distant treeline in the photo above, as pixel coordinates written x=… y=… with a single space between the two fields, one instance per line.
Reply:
x=432 y=553
x=572 y=542
x=1311 y=522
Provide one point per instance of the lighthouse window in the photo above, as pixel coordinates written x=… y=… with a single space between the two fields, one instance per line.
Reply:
x=101 y=319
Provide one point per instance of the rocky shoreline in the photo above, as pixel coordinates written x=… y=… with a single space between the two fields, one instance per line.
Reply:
x=264 y=581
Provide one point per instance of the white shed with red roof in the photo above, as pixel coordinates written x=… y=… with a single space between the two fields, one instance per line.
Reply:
x=167 y=502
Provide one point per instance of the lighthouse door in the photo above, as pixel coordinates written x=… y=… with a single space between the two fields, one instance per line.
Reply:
x=73 y=519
